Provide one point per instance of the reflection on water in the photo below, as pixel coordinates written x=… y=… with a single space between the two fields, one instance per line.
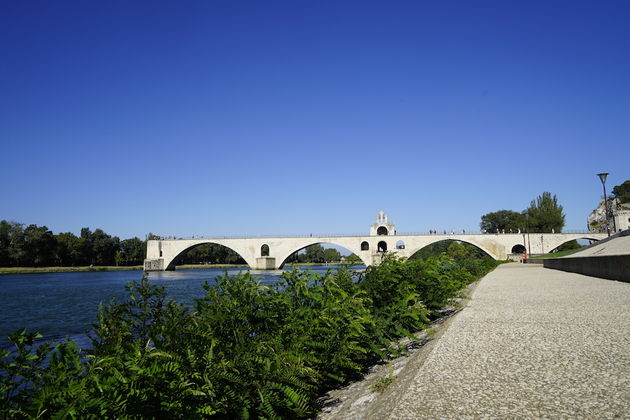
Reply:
x=60 y=304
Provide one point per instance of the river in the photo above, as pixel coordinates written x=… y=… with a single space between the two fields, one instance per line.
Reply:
x=66 y=304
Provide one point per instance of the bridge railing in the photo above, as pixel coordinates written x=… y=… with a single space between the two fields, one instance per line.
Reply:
x=339 y=235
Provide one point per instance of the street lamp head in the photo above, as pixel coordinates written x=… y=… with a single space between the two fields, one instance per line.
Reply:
x=602 y=177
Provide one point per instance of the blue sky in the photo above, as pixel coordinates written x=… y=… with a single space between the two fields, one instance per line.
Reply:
x=261 y=118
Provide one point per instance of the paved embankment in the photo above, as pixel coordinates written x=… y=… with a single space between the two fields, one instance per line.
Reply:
x=532 y=343
x=608 y=259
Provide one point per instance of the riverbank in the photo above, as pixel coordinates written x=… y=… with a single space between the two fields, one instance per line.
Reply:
x=35 y=270
x=280 y=344
x=208 y=266
x=287 y=265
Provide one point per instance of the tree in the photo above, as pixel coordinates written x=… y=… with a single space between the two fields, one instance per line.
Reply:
x=569 y=245
x=434 y=249
x=331 y=255
x=545 y=214
x=68 y=249
x=5 y=242
x=352 y=259
x=456 y=250
x=622 y=192
x=85 y=252
x=314 y=253
x=131 y=252
x=17 y=245
x=39 y=246
x=211 y=254
x=501 y=220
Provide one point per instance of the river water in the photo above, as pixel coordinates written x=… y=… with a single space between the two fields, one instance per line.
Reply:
x=66 y=304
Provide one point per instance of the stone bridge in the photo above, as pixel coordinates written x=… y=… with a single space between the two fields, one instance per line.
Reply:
x=270 y=253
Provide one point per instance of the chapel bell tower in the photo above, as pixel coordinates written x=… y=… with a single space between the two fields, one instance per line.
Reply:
x=382 y=227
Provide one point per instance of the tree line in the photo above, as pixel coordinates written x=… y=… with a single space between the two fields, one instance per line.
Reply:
x=544 y=215
x=316 y=254
x=219 y=254
x=37 y=246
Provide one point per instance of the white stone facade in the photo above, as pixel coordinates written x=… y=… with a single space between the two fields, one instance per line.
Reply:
x=382 y=226
x=163 y=254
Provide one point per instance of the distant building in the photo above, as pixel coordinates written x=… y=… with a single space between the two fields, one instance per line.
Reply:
x=596 y=221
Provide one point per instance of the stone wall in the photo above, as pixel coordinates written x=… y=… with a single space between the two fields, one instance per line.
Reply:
x=614 y=267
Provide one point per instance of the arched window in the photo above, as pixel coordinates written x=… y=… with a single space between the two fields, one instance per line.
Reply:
x=518 y=249
x=382 y=230
x=382 y=246
x=400 y=245
x=264 y=250
x=365 y=246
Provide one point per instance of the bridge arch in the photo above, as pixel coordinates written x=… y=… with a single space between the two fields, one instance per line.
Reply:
x=282 y=259
x=518 y=249
x=176 y=253
x=467 y=240
x=557 y=242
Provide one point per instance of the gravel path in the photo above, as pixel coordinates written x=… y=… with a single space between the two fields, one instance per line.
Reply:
x=532 y=343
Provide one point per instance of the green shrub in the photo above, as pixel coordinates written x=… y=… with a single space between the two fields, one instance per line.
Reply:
x=245 y=350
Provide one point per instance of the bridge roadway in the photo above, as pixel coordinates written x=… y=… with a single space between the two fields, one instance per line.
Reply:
x=269 y=253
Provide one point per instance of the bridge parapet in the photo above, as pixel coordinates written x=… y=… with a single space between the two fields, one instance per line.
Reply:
x=164 y=254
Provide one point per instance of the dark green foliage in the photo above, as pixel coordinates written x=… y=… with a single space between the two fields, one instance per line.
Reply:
x=211 y=254
x=455 y=249
x=36 y=246
x=131 y=252
x=622 y=192
x=318 y=254
x=545 y=214
x=569 y=245
x=331 y=255
x=431 y=250
x=314 y=253
x=352 y=259
x=245 y=350
x=502 y=220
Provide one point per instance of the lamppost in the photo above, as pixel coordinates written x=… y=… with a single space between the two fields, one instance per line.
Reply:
x=602 y=177
x=529 y=245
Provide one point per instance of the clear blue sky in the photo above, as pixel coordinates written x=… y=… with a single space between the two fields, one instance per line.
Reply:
x=298 y=117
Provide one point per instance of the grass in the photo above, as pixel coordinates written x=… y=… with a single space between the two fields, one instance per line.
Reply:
x=381 y=384
x=33 y=270
x=556 y=254
x=430 y=332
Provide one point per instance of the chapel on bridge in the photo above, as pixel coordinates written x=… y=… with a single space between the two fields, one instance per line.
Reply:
x=382 y=227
